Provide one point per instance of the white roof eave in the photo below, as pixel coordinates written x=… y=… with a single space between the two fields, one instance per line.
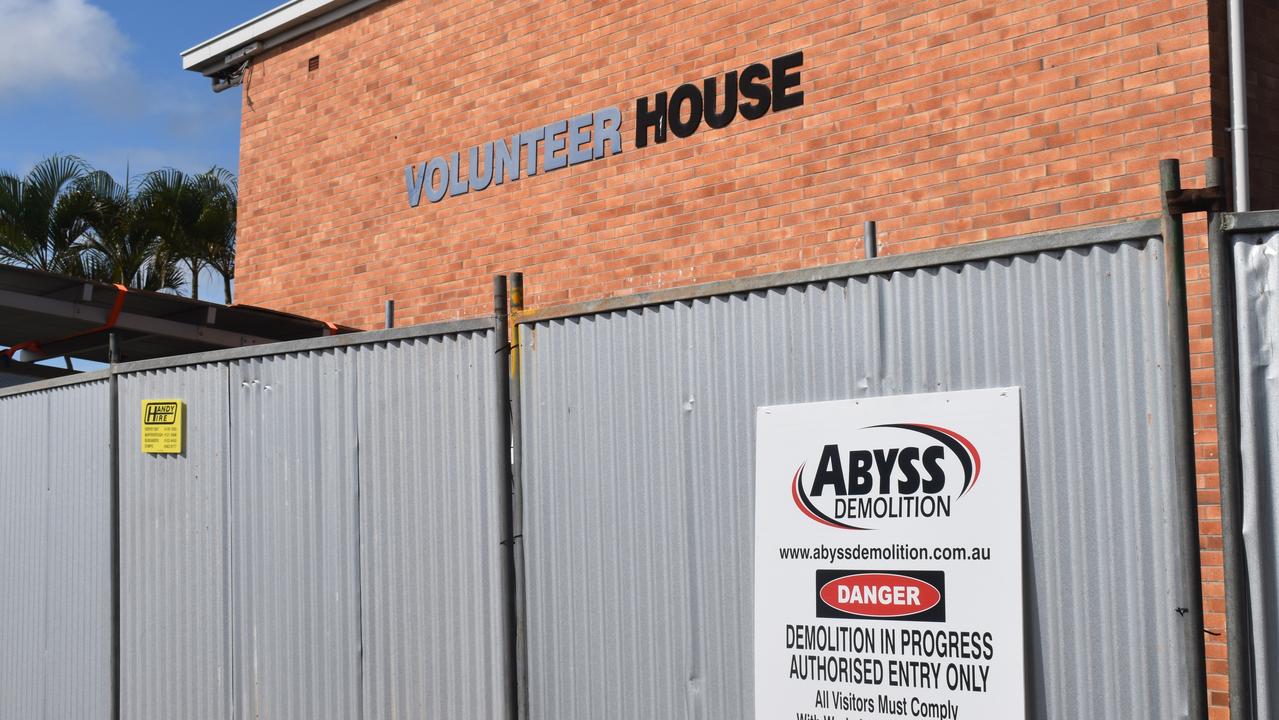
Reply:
x=271 y=28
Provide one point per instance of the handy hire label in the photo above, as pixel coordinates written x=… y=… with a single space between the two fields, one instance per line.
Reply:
x=162 y=426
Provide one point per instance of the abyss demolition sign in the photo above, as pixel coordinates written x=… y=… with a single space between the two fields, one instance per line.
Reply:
x=888 y=558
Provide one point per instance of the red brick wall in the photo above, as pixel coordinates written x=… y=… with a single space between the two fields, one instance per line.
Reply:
x=946 y=122
x=948 y=125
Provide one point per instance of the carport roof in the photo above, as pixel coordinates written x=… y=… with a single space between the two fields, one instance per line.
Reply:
x=60 y=315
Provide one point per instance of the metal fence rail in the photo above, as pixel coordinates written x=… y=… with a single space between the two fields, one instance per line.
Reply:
x=637 y=453
x=55 y=531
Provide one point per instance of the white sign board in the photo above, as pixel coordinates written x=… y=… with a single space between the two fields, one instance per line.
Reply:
x=888 y=558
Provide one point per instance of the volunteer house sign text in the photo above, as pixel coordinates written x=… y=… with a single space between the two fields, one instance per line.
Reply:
x=888 y=559
x=716 y=102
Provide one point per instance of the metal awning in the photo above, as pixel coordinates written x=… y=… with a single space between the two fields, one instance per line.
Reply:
x=13 y=372
x=53 y=315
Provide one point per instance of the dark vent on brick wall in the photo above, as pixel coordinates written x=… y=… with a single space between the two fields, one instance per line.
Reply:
x=313 y=64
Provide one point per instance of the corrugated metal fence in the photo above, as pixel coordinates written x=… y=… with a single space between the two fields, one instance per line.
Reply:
x=332 y=542
x=329 y=545
x=55 y=552
x=1255 y=253
x=638 y=453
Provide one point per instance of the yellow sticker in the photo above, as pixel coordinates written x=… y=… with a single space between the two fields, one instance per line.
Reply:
x=162 y=422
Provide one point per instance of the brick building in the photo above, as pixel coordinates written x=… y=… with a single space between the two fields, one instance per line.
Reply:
x=945 y=123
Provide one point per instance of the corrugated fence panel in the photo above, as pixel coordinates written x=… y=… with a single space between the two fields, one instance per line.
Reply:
x=328 y=546
x=434 y=636
x=173 y=561
x=295 y=604
x=638 y=430
x=1257 y=302
x=607 y=548
x=23 y=563
x=78 y=538
x=55 y=570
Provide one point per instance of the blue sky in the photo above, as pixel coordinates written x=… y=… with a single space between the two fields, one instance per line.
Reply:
x=102 y=79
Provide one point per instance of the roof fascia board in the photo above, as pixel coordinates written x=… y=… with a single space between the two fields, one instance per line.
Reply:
x=272 y=28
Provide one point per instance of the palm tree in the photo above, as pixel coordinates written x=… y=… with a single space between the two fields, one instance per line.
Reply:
x=193 y=216
x=67 y=218
x=169 y=209
x=119 y=247
x=216 y=227
x=222 y=255
x=41 y=217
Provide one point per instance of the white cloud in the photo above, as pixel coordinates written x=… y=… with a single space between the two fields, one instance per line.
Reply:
x=44 y=43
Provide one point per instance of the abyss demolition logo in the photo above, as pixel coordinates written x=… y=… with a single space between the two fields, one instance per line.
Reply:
x=893 y=471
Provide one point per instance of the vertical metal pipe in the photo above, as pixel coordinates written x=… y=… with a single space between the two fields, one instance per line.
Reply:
x=502 y=394
x=113 y=424
x=390 y=314
x=517 y=498
x=872 y=241
x=1184 y=437
x=1225 y=362
x=1238 y=105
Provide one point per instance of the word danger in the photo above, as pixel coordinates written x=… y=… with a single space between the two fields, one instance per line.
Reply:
x=878 y=478
x=895 y=598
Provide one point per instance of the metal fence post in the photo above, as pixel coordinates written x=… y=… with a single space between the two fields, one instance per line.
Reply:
x=113 y=423
x=502 y=391
x=1183 y=426
x=517 y=498
x=1225 y=362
